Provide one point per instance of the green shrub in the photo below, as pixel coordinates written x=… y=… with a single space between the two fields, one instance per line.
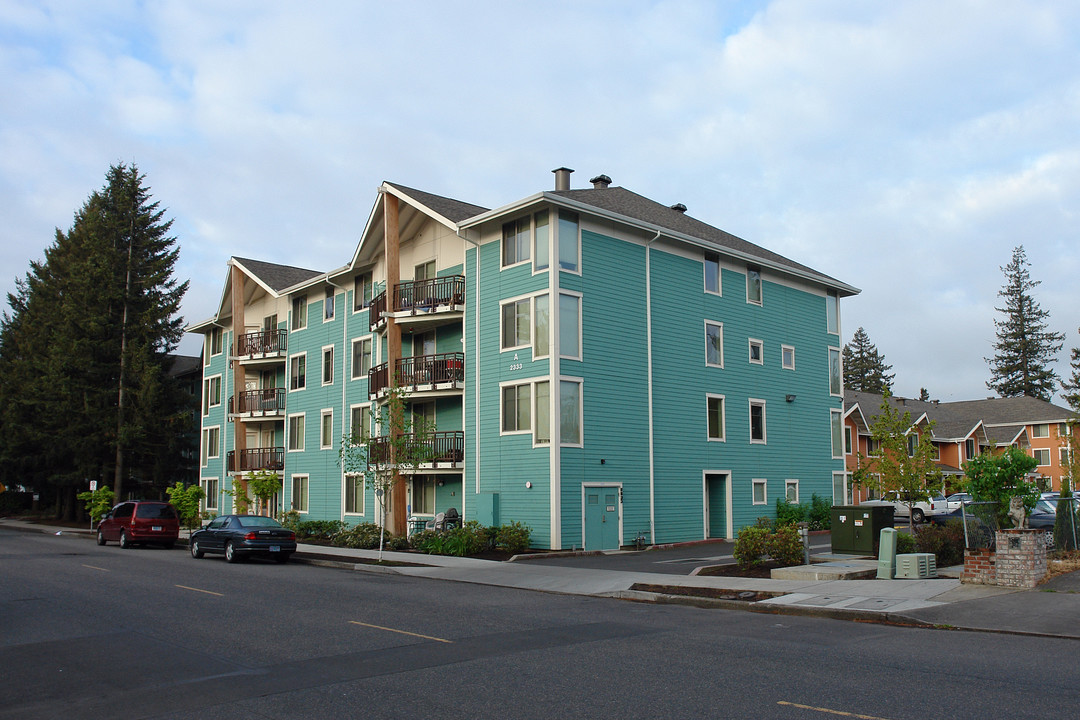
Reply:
x=512 y=538
x=364 y=536
x=1067 y=522
x=318 y=529
x=764 y=522
x=471 y=539
x=788 y=513
x=750 y=546
x=819 y=515
x=785 y=546
x=904 y=543
x=946 y=542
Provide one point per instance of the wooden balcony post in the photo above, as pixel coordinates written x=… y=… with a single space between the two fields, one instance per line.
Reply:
x=395 y=521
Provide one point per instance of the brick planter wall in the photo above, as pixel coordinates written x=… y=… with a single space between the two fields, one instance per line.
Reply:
x=1021 y=557
x=979 y=567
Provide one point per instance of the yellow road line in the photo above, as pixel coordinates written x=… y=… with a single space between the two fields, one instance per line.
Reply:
x=830 y=712
x=403 y=632
x=95 y=567
x=208 y=592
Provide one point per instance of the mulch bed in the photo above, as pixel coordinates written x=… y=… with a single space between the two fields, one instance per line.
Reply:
x=706 y=592
x=763 y=570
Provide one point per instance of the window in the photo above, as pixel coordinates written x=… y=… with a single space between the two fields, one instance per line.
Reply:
x=787 y=357
x=216 y=335
x=298 y=372
x=935 y=451
x=1063 y=457
x=328 y=365
x=1042 y=457
x=210 y=488
x=360 y=423
x=540 y=326
x=1041 y=430
x=847 y=440
x=516 y=400
x=423 y=417
x=424 y=271
x=837 y=423
x=299 y=312
x=361 y=358
x=832 y=312
x=712 y=273
x=270 y=323
x=515 y=242
x=328 y=305
x=542 y=435
x=836 y=385
x=570 y=326
x=296 y=432
x=753 y=284
x=912 y=444
x=423 y=495
x=515 y=324
x=211 y=445
x=354 y=494
x=760 y=497
x=839 y=489
x=569 y=247
x=757 y=421
x=969 y=448
x=212 y=394
x=570 y=412
x=873 y=447
x=542 y=240
x=714 y=344
x=757 y=352
x=300 y=493
x=361 y=291
x=326 y=430
x=714 y=408
x=791 y=491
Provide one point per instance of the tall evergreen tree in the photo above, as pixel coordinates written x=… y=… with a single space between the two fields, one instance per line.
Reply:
x=84 y=392
x=1072 y=385
x=1025 y=347
x=864 y=367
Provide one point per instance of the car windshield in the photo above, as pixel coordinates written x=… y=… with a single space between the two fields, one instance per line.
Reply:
x=257 y=521
x=154 y=511
x=1047 y=506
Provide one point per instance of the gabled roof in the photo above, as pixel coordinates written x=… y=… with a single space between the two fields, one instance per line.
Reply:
x=455 y=211
x=276 y=277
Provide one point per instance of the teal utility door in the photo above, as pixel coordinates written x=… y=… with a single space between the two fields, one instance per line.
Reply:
x=601 y=518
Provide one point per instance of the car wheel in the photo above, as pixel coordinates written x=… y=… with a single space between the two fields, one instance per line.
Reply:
x=196 y=552
x=917 y=515
x=100 y=538
x=230 y=553
x=282 y=558
x=124 y=542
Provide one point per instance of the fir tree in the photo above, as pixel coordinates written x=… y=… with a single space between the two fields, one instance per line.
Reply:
x=1025 y=347
x=864 y=366
x=1072 y=385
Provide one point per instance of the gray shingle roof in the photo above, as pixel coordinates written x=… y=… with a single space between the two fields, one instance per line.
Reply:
x=624 y=202
x=277 y=277
x=453 y=210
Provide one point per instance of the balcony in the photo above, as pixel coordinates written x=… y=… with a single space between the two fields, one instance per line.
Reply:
x=268 y=458
x=443 y=450
x=268 y=402
x=428 y=301
x=261 y=346
x=421 y=375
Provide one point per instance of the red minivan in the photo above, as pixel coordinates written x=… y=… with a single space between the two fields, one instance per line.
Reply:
x=140 y=522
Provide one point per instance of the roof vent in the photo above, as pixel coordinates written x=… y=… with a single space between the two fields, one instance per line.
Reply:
x=679 y=208
x=600 y=182
x=562 y=178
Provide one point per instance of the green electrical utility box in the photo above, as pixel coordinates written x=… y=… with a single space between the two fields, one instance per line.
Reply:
x=856 y=528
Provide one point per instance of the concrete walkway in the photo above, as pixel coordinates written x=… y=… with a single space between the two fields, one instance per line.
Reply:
x=1052 y=609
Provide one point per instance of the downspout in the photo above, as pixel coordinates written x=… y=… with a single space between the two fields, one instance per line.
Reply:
x=649 y=346
x=476 y=373
x=344 y=379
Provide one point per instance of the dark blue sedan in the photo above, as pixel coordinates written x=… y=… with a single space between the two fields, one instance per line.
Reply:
x=241 y=536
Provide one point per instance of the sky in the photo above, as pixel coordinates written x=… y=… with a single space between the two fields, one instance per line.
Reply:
x=905 y=148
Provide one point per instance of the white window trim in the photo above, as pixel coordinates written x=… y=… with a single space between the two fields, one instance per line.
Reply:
x=352 y=409
x=719 y=292
x=783 y=349
x=557 y=424
x=849 y=440
x=289 y=379
x=580 y=334
x=332 y=298
x=370 y=283
x=723 y=417
x=720 y=327
x=1049 y=456
x=760 y=302
x=210 y=340
x=288 y=433
x=322 y=365
x=551 y=411
x=206 y=391
x=788 y=483
x=552 y=212
x=362 y=494
x=532 y=326
x=204 y=450
x=322 y=418
x=840 y=364
x=207 y=497
x=352 y=357
x=751 y=402
x=1035 y=435
x=532 y=242
x=555 y=254
x=837 y=416
x=307 y=488
x=750 y=342
x=301 y=323
x=506 y=301
x=764 y=494
x=531 y=382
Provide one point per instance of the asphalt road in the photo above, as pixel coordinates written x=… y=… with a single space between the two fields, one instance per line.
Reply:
x=89 y=632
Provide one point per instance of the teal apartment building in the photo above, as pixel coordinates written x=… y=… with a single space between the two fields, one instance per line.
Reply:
x=596 y=365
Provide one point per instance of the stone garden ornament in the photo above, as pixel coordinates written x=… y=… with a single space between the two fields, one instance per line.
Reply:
x=1017 y=512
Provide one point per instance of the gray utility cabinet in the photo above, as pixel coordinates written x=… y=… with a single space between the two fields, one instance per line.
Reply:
x=855 y=528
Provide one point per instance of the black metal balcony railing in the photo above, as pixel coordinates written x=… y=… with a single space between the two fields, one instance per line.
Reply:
x=263 y=342
x=376 y=309
x=438 y=369
x=419 y=296
x=267 y=458
x=268 y=401
x=440 y=448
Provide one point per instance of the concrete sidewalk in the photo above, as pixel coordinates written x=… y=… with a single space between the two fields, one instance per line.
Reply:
x=1052 y=609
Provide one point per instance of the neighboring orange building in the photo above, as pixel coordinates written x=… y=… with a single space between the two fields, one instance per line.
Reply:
x=962 y=430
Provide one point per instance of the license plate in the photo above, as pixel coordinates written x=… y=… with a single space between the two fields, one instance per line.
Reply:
x=157 y=528
x=275 y=548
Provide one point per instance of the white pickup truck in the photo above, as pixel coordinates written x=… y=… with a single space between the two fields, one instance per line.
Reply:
x=920 y=511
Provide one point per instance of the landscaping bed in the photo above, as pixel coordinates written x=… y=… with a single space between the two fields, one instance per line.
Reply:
x=706 y=592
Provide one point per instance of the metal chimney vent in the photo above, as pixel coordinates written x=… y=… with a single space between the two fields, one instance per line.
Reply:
x=600 y=182
x=679 y=207
x=562 y=178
